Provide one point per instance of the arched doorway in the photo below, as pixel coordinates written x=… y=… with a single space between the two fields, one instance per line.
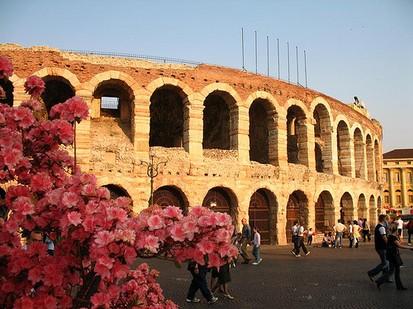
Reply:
x=324 y=212
x=220 y=121
x=262 y=125
x=359 y=154
x=322 y=134
x=362 y=207
x=57 y=90
x=171 y=196
x=167 y=117
x=297 y=209
x=346 y=208
x=221 y=199
x=296 y=136
x=343 y=149
x=262 y=213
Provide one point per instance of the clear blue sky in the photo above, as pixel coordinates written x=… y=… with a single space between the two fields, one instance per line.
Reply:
x=362 y=48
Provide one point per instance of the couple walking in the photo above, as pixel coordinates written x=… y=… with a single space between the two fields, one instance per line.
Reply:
x=298 y=239
x=246 y=240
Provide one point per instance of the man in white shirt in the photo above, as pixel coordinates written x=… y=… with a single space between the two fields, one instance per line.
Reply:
x=339 y=228
x=399 y=223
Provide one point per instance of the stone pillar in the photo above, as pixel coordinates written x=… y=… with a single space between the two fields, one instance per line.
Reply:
x=243 y=134
x=282 y=142
x=405 y=201
x=141 y=128
x=352 y=158
x=311 y=214
x=194 y=136
x=282 y=218
x=334 y=151
x=83 y=129
x=391 y=189
x=310 y=145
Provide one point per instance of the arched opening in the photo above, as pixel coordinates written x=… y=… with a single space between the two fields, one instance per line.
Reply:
x=319 y=162
x=370 y=158
x=220 y=121
x=222 y=199
x=8 y=88
x=262 y=125
x=297 y=209
x=57 y=90
x=4 y=211
x=115 y=100
x=116 y=191
x=324 y=212
x=372 y=210
x=167 y=117
x=377 y=160
x=362 y=210
x=346 y=208
x=171 y=196
x=359 y=160
x=322 y=134
x=296 y=136
x=262 y=213
x=343 y=149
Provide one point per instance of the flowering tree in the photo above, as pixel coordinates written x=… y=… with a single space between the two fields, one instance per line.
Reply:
x=99 y=238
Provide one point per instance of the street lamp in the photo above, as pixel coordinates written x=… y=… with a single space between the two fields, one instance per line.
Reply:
x=152 y=170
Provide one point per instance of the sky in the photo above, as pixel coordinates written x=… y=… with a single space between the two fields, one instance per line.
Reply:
x=354 y=48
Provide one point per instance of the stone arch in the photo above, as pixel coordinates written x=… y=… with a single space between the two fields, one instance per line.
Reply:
x=113 y=105
x=377 y=160
x=220 y=121
x=263 y=131
x=116 y=191
x=297 y=210
x=359 y=160
x=222 y=199
x=324 y=212
x=57 y=90
x=362 y=210
x=262 y=213
x=170 y=82
x=169 y=117
x=171 y=196
x=370 y=158
x=346 y=208
x=70 y=77
x=343 y=149
x=297 y=151
x=322 y=135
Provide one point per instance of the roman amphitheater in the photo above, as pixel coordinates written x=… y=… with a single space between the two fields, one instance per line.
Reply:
x=249 y=145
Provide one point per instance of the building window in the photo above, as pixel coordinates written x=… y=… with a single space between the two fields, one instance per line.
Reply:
x=387 y=199
x=410 y=177
x=411 y=199
x=385 y=178
x=397 y=177
x=398 y=199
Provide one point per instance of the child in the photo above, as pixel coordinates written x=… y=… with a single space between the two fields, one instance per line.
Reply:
x=257 y=244
x=310 y=237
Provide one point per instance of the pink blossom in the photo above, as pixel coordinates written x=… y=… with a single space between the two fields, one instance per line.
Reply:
x=103 y=238
x=214 y=260
x=173 y=212
x=101 y=299
x=74 y=218
x=32 y=104
x=206 y=246
x=178 y=233
x=41 y=182
x=6 y=67
x=152 y=243
x=34 y=86
x=115 y=213
x=155 y=222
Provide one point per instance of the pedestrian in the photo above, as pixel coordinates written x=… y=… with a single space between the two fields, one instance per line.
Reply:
x=223 y=277
x=393 y=256
x=409 y=227
x=350 y=234
x=399 y=222
x=256 y=246
x=236 y=241
x=245 y=240
x=380 y=245
x=300 y=241
x=366 y=230
x=199 y=282
x=339 y=229
x=294 y=237
x=310 y=237
x=356 y=234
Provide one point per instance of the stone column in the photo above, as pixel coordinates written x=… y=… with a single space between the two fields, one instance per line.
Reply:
x=141 y=122
x=352 y=158
x=83 y=130
x=194 y=136
x=391 y=189
x=310 y=145
x=405 y=200
x=282 y=218
x=334 y=151
x=282 y=141
x=243 y=134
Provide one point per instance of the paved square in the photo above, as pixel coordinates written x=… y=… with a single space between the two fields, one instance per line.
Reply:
x=327 y=278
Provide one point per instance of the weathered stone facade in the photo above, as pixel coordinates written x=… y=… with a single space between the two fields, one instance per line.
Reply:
x=247 y=144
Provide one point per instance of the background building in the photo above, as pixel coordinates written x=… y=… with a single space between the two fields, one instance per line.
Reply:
x=241 y=143
x=398 y=180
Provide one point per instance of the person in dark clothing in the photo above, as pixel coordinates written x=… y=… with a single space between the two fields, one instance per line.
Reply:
x=245 y=240
x=393 y=256
x=409 y=227
x=380 y=244
x=199 y=282
x=223 y=277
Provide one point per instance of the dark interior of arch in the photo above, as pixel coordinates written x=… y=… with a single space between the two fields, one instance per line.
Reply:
x=8 y=88
x=216 y=123
x=294 y=134
x=346 y=207
x=167 y=118
x=343 y=149
x=258 y=133
x=317 y=126
x=116 y=89
x=116 y=191
x=170 y=196
x=319 y=163
x=57 y=90
x=218 y=199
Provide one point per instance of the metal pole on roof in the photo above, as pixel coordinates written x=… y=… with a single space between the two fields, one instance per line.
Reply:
x=288 y=60
x=268 y=57
x=296 y=60
x=305 y=68
x=278 y=58
x=242 y=45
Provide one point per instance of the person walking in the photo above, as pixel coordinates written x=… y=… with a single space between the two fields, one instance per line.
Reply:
x=222 y=278
x=339 y=229
x=366 y=230
x=356 y=234
x=294 y=239
x=350 y=234
x=380 y=245
x=409 y=227
x=400 y=224
x=257 y=244
x=199 y=282
x=393 y=256
x=300 y=241
x=310 y=237
x=245 y=240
